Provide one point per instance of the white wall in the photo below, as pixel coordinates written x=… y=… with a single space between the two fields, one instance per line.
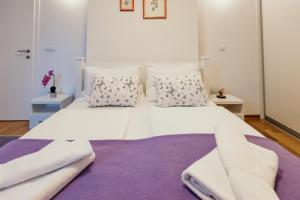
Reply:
x=62 y=24
x=232 y=24
x=125 y=36
x=282 y=61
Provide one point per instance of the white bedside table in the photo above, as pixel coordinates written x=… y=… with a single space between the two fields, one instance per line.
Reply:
x=43 y=107
x=231 y=103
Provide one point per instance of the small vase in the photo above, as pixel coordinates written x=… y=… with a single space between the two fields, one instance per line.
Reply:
x=53 y=92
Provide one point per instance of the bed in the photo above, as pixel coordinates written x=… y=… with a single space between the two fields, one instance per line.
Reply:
x=144 y=121
x=140 y=122
x=142 y=155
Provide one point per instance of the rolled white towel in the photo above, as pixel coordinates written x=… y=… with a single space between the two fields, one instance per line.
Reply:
x=252 y=172
x=210 y=179
x=207 y=178
x=54 y=156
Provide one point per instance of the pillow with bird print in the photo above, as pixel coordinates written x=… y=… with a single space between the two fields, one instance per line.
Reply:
x=183 y=90
x=114 y=91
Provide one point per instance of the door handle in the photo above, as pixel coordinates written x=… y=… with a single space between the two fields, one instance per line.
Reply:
x=24 y=51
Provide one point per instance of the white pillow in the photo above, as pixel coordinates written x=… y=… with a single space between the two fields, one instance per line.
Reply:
x=182 y=90
x=114 y=91
x=171 y=70
x=90 y=72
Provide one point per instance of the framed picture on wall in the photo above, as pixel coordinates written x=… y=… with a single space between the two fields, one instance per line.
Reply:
x=126 y=5
x=155 y=9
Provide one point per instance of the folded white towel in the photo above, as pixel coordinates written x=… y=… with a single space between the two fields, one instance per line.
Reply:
x=207 y=178
x=211 y=179
x=252 y=172
x=46 y=186
x=54 y=156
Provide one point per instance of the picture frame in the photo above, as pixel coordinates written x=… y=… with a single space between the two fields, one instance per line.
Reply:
x=127 y=5
x=155 y=9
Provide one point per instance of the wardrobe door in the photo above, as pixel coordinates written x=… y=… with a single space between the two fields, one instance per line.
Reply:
x=281 y=35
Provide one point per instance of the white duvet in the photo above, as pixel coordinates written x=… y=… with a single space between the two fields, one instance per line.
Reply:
x=83 y=124
x=146 y=120
x=170 y=121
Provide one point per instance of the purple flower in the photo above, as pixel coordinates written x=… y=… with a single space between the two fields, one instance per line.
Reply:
x=47 y=78
x=51 y=72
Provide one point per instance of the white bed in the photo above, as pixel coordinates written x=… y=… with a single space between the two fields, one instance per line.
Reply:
x=78 y=121
x=147 y=120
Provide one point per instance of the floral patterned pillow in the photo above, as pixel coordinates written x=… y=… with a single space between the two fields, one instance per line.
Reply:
x=183 y=90
x=114 y=91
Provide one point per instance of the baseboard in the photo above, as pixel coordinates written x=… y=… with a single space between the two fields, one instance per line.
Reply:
x=283 y=127
x=14 y=120
x=252 y=116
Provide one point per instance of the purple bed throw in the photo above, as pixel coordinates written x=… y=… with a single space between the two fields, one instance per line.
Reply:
x=150 y=169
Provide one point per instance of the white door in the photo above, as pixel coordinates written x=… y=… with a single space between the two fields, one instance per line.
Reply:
x=16 y=42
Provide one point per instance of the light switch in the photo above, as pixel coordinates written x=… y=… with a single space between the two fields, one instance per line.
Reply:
x=223 y=48
x=205 y=58
x=50 y=49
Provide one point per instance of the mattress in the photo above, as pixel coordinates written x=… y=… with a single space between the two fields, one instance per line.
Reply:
x=78 y=121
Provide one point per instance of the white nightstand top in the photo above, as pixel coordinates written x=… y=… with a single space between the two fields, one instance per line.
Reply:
x=47 y=100
x=229 y=100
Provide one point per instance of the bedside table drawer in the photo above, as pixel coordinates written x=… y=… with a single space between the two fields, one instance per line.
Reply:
x=36 y=119
x=45 y=108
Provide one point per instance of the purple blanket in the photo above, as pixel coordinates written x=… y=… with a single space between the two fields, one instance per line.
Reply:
x=151 y=169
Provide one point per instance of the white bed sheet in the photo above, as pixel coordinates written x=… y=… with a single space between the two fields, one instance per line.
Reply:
x=80 y=122
x=141 y=126
x=137 y=126
x=190 y=120
x=146 y=120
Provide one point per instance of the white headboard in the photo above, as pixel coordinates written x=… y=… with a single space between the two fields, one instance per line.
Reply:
x=81 y=63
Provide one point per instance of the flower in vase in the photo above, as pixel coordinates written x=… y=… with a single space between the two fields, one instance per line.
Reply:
x=48 y=77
